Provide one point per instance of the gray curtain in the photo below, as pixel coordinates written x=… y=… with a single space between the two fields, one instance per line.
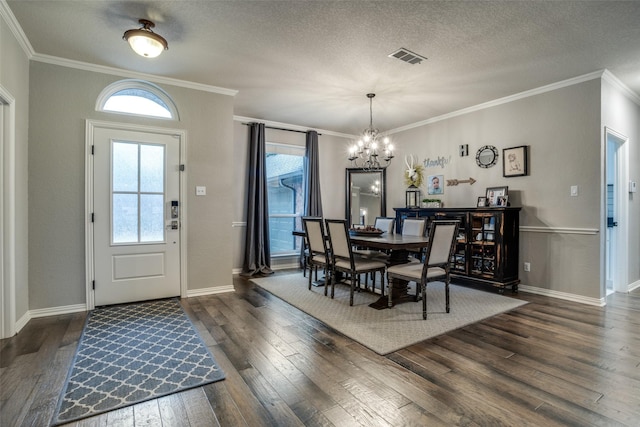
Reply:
x=312 y=201
x=257 y=253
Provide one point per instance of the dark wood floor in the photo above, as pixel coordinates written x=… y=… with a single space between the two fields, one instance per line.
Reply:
x=550 y=362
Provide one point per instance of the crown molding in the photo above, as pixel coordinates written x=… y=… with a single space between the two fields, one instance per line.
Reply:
x=528 y=93
x=63 y=62
x=609 y=77
x=22 y=39
x=292 y=127
x=8 y=17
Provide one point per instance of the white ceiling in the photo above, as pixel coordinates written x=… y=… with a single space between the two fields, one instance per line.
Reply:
x=310 y=63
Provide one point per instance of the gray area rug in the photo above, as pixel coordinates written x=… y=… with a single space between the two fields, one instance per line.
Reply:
x=388 y=330
x=131 y=353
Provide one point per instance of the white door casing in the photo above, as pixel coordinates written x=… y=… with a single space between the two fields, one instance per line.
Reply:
x=616 y=256
x=8 y=321
x=141 y=260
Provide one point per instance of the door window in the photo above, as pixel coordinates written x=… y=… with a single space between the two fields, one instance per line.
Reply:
x=137 y=192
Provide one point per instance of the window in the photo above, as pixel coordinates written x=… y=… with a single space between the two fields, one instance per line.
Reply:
x=138 y=98
x=137 y=192
x=285 y=193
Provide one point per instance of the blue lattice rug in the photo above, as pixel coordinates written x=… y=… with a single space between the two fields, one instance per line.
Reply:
x=131 y=353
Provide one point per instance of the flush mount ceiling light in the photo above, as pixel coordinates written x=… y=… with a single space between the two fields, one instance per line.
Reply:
x=144 y=41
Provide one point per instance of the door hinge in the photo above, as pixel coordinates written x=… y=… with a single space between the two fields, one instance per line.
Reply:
x=93 y=217
x=93 y=150
x=93 y=285
x=181 y=168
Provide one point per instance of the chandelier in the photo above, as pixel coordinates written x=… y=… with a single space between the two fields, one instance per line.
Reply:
x=366 y=153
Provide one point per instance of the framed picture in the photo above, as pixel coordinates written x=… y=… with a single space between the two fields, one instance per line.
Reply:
x=514 y=161
x=494 y=192
x=435 y=184
x=482 y=202
x=503 y=201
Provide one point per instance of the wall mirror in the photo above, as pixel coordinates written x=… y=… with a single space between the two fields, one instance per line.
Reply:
x=365 y=196
x=487 y=156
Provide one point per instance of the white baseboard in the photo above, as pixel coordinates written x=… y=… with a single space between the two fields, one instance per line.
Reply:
x=68 y=309
x=55 y=311
x=21 y=323
x=51 y=311
x=210 y=291
x=633 y=286
x=599 y=302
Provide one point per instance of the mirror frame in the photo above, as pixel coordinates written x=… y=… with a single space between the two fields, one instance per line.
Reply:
x=489 y=149
x=383 y=189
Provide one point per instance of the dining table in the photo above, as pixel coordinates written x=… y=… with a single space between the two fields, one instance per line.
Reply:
x=398 y=248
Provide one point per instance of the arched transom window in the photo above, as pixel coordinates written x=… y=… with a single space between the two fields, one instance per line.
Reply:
x=137 y=97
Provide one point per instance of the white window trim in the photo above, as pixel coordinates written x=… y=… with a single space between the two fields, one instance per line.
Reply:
x=113 y=88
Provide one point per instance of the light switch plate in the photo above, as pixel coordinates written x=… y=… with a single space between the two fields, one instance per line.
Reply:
x=574 y=191
x=201 y=190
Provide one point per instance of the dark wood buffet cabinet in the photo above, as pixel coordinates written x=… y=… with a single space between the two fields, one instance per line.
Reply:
x=487 y=248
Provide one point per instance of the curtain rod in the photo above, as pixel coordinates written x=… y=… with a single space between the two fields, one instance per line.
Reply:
x=288 y=130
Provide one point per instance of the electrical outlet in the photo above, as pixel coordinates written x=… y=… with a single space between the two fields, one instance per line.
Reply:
x=527 y=266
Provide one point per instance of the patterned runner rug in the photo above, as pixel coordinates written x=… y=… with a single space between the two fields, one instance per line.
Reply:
x=131 y=353
x=385 y=331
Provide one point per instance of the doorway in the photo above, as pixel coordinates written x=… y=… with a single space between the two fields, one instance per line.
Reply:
x=616 y=209
x=136 y=214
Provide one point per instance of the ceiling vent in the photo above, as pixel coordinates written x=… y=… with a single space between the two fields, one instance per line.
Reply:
x=407 y=56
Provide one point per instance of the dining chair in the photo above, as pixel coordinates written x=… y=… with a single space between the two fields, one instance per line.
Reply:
x=415 y=227
x=317 y=246
x=387 y=225
x=442 y=240
x=343 y=260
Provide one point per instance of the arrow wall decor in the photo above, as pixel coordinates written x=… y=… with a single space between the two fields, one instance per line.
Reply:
x=470 y=181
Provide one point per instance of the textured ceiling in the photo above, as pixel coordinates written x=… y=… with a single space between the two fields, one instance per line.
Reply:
x=310 y=63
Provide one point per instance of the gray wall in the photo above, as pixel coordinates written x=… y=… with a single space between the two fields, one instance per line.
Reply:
x=61 y=100
x=563 y=128
x=14 y=78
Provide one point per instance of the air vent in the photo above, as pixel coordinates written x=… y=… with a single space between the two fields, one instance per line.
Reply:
x=407 y=56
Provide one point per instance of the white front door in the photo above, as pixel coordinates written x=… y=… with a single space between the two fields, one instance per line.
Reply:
x=136 y=201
